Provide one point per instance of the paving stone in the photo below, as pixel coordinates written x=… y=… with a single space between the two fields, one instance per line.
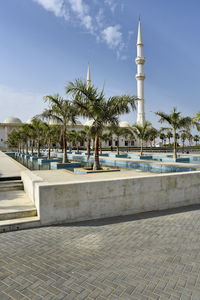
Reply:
x=144 y=257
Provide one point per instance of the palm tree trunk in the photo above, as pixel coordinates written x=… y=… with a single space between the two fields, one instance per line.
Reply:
x=88 y=149
x=27 y=148
x=117 y=145
x=38 y=148
x=32 y=148
x=141 y=150
x=183 y=144
x=65 y=159
x=49 y=150
x=100 y=147
x=96 y=165
x=175 y=145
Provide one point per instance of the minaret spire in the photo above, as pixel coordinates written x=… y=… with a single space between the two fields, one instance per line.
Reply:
x=139 y=37
x=88 y=80
x=140 y=76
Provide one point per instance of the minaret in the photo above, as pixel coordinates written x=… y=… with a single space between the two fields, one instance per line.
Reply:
x=140 y=76
x=88 y=80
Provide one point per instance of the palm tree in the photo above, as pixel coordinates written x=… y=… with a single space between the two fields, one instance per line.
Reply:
x=153 y=134
x=142 y=132
x=196 y=120
x=76 y=137
x=105 y=138
x=14 y=139
x=38 y=131
x=88 y=137
x=169 y=135
x=118 y=132
x=163 y=138
x=183 y=136
x=197 y=117
x=63 y=112
x=103 y=112
x=196 y=138
x=51 y=134
x=176 y=121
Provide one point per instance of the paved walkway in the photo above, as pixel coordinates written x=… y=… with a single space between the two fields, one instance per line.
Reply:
x=66 y=176
x=149 y=256
x=9 y=167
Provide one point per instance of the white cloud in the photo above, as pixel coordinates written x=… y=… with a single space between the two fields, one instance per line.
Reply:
x=113 y=36
x=81 y=11
x=58 y=7
x=100 y=18
x=95 y=23
x=79 y=7
x=112 y=4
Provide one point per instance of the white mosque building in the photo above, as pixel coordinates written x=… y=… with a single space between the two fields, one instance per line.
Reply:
x=11 y=123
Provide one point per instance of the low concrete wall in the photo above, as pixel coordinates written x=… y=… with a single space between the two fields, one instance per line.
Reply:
x=30 y=180
x=77 y=201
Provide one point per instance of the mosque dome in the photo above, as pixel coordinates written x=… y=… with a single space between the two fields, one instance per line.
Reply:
x=78 y=123
x=12 y=120
x=29 y=121
x=54 y=122
x=88 y=123
x=124 y=124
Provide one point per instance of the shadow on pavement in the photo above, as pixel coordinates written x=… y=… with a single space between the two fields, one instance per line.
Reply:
x=135 y=217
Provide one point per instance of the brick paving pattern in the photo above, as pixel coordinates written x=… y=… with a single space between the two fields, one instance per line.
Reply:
x=150 y=256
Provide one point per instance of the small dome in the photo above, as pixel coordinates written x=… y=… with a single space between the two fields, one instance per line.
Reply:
x=29 y=121
x=89 y=123
x=78 y=122
x=124 y=124
x=12 y=120
x=54 y=122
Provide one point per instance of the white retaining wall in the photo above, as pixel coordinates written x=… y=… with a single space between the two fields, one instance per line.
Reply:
x=70 y=202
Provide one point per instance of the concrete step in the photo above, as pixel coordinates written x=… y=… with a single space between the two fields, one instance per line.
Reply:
x=10 y=182
x=11 y=185
x=17 y=214
x=19 y=224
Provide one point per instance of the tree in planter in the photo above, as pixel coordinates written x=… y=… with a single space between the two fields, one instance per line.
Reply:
x=24 y=132
x=38 y=129
x=176 y=121
x=196 y=139
x=14 y=140
x=197 y=117
x=169 y=135
x=183 y=136
x=142 y=132
x=88 y=137
x=153 y=134
x=103 y=112
x=177 y=138
x=76 y=137
x=105 y=137
x=163 y=138
x=118 y=132
x=50 y=134
x=63 y=112
x=196 y=120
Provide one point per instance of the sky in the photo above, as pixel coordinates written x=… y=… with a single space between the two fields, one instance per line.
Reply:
x=46 y=43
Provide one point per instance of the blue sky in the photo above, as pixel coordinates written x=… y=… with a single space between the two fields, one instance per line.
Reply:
x=46 y=43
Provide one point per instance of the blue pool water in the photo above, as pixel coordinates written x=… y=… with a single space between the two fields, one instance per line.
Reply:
x=125 y=164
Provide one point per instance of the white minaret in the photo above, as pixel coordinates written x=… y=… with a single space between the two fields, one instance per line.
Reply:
x=88 y=80
x=140 y=76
